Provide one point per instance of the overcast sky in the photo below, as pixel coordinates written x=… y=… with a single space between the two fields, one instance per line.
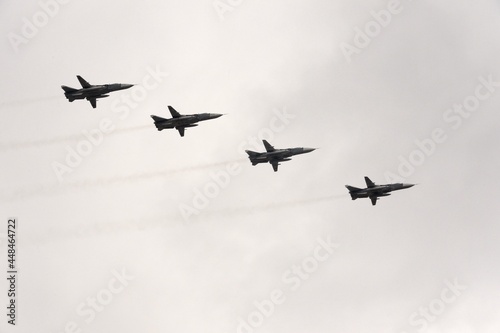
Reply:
x=122 y=228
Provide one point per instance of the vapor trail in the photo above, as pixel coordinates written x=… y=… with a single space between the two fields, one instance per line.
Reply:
x=29 y=101
x=163 y=221
x=49 y=189
x=273 y=205
x=144 y=175
x=4 y=146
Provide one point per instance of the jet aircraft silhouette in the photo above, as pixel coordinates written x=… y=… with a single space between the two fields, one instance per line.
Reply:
x=275 y=156
x=374 y=192
x=92 y=92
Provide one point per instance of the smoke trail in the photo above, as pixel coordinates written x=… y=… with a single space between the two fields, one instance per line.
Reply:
x=28 y=101
x=4 y=146
x=144 y=175
x=164 y=221
x=50 y=189
x=176 y=220
x=272 y=206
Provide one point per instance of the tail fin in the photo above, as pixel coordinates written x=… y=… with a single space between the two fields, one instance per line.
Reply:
x=252 y=156
x=352 y=191
x=156 y=118
x=251 y=153
x=352 y=188
x=68 y=89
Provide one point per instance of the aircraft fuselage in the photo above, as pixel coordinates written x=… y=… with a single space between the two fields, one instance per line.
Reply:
x=279 y=155
x=185 y=120
x=375 y=191
x=97 y=91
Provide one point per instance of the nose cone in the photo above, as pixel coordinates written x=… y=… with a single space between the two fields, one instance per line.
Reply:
x=214 y=115
x=125 y=86
x=308 y=150
x=408 y=185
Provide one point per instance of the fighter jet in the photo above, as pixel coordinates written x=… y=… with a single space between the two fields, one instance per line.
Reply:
x=274 y=156
x=375 y=191
x=90 y=92
x=180 y=122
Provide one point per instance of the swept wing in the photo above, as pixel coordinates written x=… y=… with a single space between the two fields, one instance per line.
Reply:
x=84 y=83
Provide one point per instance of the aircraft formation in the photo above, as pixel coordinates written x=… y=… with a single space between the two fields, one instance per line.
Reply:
x=180 y=122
